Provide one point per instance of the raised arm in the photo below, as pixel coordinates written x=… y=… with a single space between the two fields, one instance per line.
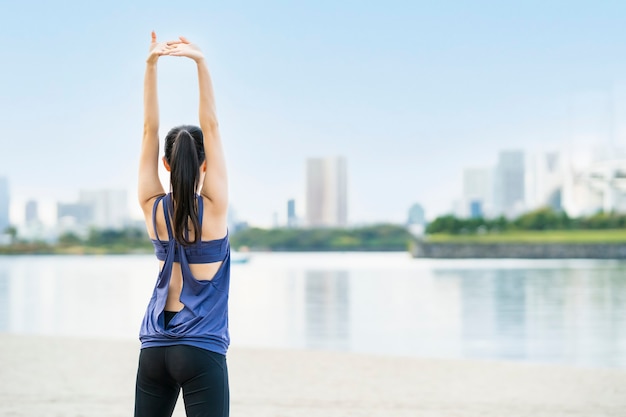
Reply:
x=149 y=185
x=215 y=185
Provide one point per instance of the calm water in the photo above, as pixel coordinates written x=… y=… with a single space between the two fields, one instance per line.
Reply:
x=571 y=312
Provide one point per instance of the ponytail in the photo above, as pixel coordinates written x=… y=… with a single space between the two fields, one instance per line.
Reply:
x=184 y=168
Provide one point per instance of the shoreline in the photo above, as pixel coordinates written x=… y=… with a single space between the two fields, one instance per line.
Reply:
x=51 y=375
x=517 y=250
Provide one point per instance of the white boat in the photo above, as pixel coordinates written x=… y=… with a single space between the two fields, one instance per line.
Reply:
x=239 y=257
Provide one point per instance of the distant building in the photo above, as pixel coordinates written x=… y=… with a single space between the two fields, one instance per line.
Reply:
x=4 y=204
x=326 y=192
x=544 y=180
x=476 y=209
x=31 y=212
x=510 y=184
x=292 y=220
x=477 y=192
x=75 y=213
x=33 y=229
x=416 y=215
x=416 y=221
x=275 y=222
x=109 y=208
x=234 y=223
x=102 y=209
x=601 y=186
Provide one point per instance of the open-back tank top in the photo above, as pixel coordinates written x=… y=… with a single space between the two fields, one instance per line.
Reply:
x=203 y=321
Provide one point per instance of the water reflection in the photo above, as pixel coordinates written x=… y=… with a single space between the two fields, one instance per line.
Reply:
x=509 y=301
x=86 y=296
x=327 y=306
x=550 y=315
x=567 y=312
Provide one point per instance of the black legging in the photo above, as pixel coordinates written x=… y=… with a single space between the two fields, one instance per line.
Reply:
x=163 y=371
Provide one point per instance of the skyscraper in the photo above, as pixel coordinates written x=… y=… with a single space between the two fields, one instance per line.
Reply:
x=416 y=221
x=78 y=213
x=291 y=213
x=544 y=180
x=4 y=204
x=102 y=209
x=416 y=215
x=109 y=208
x=510 y=183
x=477 y=192
x=326 y=192
x=31 y=212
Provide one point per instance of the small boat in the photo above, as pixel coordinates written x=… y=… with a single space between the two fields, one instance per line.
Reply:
x=239 y=257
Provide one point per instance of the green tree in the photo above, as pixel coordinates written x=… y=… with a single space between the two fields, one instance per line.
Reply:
x=542 y=219
x=11 y=231
x=69 y=239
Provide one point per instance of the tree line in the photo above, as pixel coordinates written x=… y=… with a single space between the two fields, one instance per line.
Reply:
x=540 y=219
x=383 y=237
x=128 y=240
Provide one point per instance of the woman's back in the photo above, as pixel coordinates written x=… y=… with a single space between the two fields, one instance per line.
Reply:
x=192 y=286
x=213 y=229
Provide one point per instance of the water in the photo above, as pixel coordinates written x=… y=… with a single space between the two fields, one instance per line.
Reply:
x=557 y=311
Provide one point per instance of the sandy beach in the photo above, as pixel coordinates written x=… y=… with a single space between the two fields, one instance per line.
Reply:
x=55 y=376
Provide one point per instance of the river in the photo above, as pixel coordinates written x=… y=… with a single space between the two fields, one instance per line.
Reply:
x=570 y=312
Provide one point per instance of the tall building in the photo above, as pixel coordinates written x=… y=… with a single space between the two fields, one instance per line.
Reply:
x=544 y=180
x=102 y=209
x=600 y=186
x=510 y=184
x=31 y=212
x=109 y=208
x=477 y=192
x=416 y=221
x=4 y=204
x=235 y=224
x=33 y=229
x=326 y=192
x=291 y=213
x=76 y=213
x=416 y=215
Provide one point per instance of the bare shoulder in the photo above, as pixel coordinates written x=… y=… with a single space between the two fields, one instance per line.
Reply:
x=147 y=207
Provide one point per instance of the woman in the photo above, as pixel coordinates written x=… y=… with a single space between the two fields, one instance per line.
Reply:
x=184 y=335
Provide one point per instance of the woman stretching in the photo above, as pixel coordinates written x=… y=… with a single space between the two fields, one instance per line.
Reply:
x=184 y=334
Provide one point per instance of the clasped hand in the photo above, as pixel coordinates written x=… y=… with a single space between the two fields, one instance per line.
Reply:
x=180 y=47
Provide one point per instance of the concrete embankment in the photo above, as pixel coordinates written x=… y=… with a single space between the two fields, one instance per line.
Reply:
x=422 y=249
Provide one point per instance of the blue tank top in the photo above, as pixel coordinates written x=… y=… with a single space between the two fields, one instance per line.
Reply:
x=203 y=321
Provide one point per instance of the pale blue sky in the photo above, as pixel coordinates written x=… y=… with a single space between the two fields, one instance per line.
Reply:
x=409 y=92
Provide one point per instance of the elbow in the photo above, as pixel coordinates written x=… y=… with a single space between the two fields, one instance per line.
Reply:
x=209 y=123
x=150 y=128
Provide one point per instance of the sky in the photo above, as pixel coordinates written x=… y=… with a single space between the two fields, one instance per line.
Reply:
x=410 y=92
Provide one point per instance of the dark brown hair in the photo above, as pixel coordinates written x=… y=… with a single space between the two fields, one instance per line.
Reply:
x=184 y=152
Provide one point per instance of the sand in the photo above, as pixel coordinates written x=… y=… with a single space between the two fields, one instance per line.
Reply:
x=58 y=376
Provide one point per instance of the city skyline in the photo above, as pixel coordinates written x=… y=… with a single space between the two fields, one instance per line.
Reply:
x=539 y=179
x=407 y=92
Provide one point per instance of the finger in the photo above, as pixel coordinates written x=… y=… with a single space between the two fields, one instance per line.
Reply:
x=183 y=39
x=173 y=42
x=153 y=37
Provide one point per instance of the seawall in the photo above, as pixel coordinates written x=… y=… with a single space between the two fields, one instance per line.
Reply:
x=421 y=249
